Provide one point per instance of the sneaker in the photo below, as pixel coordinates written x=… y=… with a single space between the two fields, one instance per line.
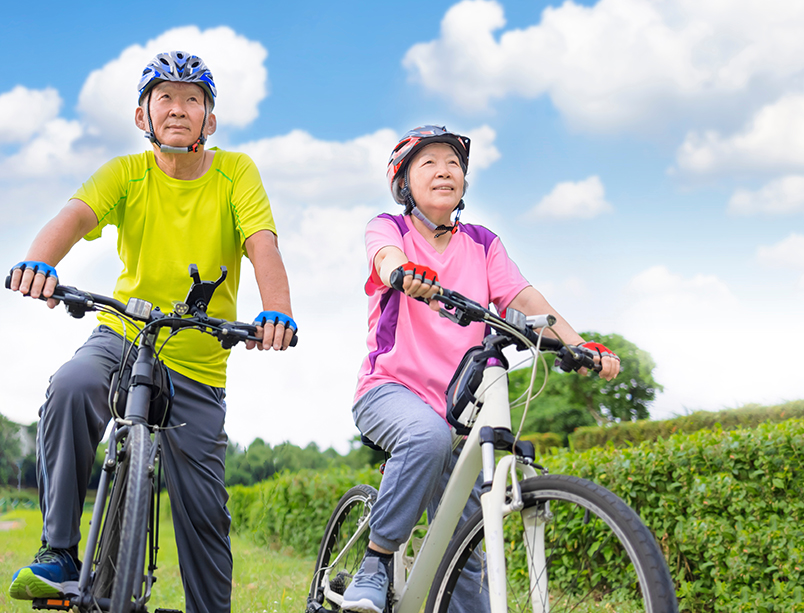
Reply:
x=54 y=572
x=369 y=588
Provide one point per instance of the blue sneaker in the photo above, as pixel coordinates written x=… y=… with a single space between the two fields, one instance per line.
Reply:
x=54 y=572
x=369 y=588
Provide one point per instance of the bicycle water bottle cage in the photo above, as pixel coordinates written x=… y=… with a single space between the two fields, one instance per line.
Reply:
x=462 y=403
x=200 y=292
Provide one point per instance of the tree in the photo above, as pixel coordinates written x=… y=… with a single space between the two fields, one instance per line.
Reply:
x=570 y=401
x=10 y=450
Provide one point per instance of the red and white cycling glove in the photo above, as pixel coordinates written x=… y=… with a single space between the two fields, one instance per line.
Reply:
x=422 y=273
x=600 y=349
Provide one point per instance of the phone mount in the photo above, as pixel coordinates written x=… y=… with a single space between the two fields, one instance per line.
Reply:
x=200 y=292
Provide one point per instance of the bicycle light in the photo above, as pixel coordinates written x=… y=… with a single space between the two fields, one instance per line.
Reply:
x=138 y=308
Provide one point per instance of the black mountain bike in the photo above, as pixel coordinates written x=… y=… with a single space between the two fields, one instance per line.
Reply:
x=116 y=576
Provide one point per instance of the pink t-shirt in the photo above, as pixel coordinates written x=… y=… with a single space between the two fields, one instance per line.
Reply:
x=408 y=342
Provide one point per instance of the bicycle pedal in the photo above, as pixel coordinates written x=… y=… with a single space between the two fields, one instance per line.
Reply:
x=51 y=604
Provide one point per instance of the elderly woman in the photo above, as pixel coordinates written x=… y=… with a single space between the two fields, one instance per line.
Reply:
x=400 y=400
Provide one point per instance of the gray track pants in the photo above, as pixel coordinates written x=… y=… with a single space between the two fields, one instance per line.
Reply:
x=421 y=462
x=72 y=422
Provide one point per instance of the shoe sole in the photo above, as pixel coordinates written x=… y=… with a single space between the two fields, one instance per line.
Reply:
x=27 y=586
x=364 y=605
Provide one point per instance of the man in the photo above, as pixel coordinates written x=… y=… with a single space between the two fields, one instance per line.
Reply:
x=174 y=205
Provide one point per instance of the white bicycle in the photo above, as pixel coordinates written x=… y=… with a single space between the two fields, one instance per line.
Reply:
x=545 y=543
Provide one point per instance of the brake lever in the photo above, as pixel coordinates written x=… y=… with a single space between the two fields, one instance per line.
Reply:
x=571 y=358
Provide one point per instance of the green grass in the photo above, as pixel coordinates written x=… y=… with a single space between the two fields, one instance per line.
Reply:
x=265 y=580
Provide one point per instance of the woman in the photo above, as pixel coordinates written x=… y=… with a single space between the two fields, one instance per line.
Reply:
x=400 y=401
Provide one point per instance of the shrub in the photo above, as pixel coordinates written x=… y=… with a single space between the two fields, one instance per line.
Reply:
x=632 y=433
x=725 y=506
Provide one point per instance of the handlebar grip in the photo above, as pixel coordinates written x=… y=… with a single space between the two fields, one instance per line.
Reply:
x=397 y=279
x=8 y=282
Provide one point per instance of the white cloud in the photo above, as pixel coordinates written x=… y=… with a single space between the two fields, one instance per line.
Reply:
x=23 y=112
x=781 y=196
x=788 y=253
x=582 y=200
x=109 y=95
x=617 y=64
x=482 y=152
x=771 y=140
x=312 y=385
x=299 y=169
x=55 y=152
x=704 y=341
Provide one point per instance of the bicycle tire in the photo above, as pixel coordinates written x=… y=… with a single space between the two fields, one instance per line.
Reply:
x=599 y=555
x=109 y=543
x=352 y=510
x=135 y=520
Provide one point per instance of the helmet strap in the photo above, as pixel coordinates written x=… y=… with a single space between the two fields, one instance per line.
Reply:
x=416 y=212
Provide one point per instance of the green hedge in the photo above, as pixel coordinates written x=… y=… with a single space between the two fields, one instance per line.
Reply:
x=293 y=509
x=727 y=508
x=632 y=433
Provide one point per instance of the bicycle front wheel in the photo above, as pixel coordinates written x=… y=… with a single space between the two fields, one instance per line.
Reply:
x=135 y=519
x=109 y=544
x=341 y=552
x=575 y=546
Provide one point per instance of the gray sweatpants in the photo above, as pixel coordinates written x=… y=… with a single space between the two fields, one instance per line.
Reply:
x=416 y=474
x=72 y=422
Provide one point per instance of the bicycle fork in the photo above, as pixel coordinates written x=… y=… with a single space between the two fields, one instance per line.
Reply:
x=495 y=508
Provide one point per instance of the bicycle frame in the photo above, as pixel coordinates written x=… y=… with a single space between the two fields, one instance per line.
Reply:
x=137 y=406
x=411 y=592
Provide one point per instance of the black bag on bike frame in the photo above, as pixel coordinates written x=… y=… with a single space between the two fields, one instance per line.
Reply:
x=462 y=403
x=161 y=394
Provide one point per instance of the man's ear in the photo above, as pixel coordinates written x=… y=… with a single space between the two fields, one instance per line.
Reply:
x=139 y=119
x=212 y=124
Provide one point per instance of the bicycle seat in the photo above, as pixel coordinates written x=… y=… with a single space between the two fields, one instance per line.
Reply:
x=369 y=443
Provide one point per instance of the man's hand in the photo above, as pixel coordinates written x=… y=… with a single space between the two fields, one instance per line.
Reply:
x=35 y=279
x=275 y=327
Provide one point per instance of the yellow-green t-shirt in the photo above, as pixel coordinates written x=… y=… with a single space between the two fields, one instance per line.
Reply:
x=166 y=224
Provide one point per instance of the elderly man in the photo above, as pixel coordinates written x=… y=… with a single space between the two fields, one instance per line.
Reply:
x=175 y=204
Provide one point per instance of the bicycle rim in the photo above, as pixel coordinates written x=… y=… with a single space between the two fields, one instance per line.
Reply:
x=598 y=556
x=340 y=555
x=135 y=519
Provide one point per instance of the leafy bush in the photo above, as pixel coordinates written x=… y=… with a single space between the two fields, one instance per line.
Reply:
x=12 y=498
x=293 y=508
x=630 y=433
x=726 y=508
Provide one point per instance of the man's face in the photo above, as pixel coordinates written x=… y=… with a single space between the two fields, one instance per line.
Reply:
x=177 y=113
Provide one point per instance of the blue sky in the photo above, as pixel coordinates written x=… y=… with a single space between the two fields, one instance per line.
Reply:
x=643 y=162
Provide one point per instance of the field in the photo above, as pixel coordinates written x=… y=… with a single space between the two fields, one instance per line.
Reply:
x=265 y=580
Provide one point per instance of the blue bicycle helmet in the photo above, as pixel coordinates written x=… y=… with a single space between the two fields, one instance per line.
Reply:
x=181 y=67
x=177 y=66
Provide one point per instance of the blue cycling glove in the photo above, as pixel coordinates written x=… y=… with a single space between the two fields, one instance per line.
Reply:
x=38 y=267
x=275 y=317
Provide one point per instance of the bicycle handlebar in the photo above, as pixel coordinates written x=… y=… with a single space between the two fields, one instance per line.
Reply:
x=463 y=311
x=229 y=333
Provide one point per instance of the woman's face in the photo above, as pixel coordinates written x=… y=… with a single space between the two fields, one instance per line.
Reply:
x=436 y=181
